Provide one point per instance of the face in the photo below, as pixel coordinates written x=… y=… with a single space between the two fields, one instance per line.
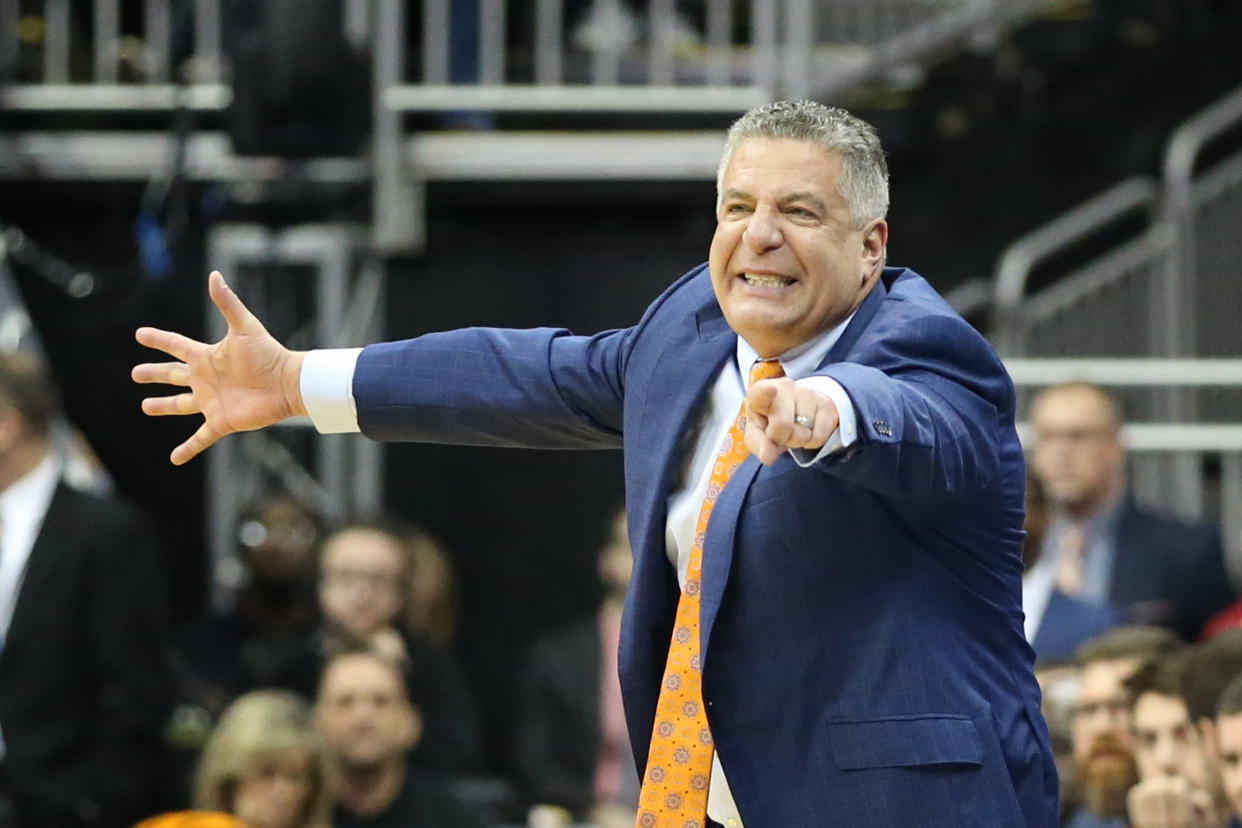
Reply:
x=1102 y=711
x=1229 y=739
x=1168 y=744
x=363 y=714
x=361 y=583
x=275 y=793
x=786 y=261
x=1078 y=454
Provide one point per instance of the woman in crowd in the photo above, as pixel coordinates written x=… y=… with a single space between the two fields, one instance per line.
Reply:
x=264 y=764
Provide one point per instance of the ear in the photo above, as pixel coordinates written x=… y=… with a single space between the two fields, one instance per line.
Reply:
x=874 y=247
x=413 y=727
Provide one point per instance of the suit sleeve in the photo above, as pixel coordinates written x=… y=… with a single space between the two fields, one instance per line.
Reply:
x=931 y=399
x=540 y=388
x=132 y=689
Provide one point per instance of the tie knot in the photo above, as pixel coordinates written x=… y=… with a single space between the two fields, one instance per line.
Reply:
x=765 y=369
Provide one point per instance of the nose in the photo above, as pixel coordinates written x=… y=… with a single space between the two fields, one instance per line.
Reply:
x=763 y=231
x=1166 y=756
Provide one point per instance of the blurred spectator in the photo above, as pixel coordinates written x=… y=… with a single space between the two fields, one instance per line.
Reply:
x=1101 y=719
x=83 y=683
x=1101 y=546
x=228 y=653
x=1229 y=743
x=370 y=726
x=1056 y=624
x=266 y=764
x=572 y=749
x=1179 y=772
x=365 y=584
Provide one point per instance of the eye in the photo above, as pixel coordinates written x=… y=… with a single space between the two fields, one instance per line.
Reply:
x=735 y=208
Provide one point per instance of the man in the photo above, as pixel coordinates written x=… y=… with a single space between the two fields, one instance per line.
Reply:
x=1102 y=547
x=369 y=726
x=1179 y=772
x=1101 y=721
x=1229 y=743
x=824 y=623
x=572 y=752
x=364 y=589
x=83 y=690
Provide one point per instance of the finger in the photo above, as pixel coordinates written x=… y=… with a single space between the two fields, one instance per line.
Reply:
x=199 y=441
x=780 y=426
x=234 y=311
x=757 y=443
x=760 y=395
x=167 y=373
x=167 y=406
x=826 y=422
x=173 y=344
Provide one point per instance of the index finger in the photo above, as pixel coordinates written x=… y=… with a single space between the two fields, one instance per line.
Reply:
x=173 y=344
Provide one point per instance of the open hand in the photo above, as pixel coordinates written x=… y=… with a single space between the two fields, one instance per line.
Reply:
x=777 y=415
x=244 y=382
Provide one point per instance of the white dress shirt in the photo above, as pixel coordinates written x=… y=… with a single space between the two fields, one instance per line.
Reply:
x=327 y=393
x=23 y=506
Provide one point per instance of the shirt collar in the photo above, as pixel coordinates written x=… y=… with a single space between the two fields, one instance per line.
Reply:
x=35 y=486
x=797 y=362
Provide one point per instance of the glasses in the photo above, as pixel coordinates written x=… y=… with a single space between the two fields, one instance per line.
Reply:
x=359 y=579
x=1113 y=708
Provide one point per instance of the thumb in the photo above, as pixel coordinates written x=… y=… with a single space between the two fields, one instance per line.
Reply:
x=234 y=311
x=760 y=396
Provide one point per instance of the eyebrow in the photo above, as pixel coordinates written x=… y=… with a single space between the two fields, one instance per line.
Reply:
x=807 y=196
x=813 y=199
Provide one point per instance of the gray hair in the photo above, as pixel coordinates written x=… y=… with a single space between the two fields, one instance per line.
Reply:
x=864 y=172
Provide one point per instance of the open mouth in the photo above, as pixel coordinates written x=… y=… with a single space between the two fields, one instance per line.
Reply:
x=766 y=280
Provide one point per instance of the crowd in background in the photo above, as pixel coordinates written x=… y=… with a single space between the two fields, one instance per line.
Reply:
x=329 y=693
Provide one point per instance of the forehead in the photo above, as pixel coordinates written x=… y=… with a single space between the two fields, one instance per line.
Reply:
x=1154 y=711
x=1070 y=406
x=364 y=547
x=1229 y=731
x=762 y=164
x=360 y=673
x=1103 y=679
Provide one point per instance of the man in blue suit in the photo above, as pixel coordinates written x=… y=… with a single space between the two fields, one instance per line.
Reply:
x=860 y=659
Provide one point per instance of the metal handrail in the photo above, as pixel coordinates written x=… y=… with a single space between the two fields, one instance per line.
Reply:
x=1127 y=372
x=1019 y=259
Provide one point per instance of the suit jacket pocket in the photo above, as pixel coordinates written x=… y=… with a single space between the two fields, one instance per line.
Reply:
x=905 y=741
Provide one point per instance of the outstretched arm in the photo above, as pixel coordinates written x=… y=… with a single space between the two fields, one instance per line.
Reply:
x=244 y=382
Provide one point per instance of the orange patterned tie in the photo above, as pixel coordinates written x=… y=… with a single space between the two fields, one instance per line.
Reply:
x=679 y=763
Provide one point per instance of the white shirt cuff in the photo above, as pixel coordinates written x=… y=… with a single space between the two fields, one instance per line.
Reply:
x=327 y=384
x=847 y=420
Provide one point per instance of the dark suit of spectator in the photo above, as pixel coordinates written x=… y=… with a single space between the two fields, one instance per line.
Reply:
x=83 y=690
x=1167 y=571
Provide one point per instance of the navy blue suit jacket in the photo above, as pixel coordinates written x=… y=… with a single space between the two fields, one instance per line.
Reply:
x=864 y=660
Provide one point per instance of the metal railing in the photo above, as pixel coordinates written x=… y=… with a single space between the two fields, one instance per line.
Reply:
x=1171 y=291
x=481 y=54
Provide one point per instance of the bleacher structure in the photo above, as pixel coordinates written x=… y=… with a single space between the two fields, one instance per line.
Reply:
x=749 y=52
x=1156 y=317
